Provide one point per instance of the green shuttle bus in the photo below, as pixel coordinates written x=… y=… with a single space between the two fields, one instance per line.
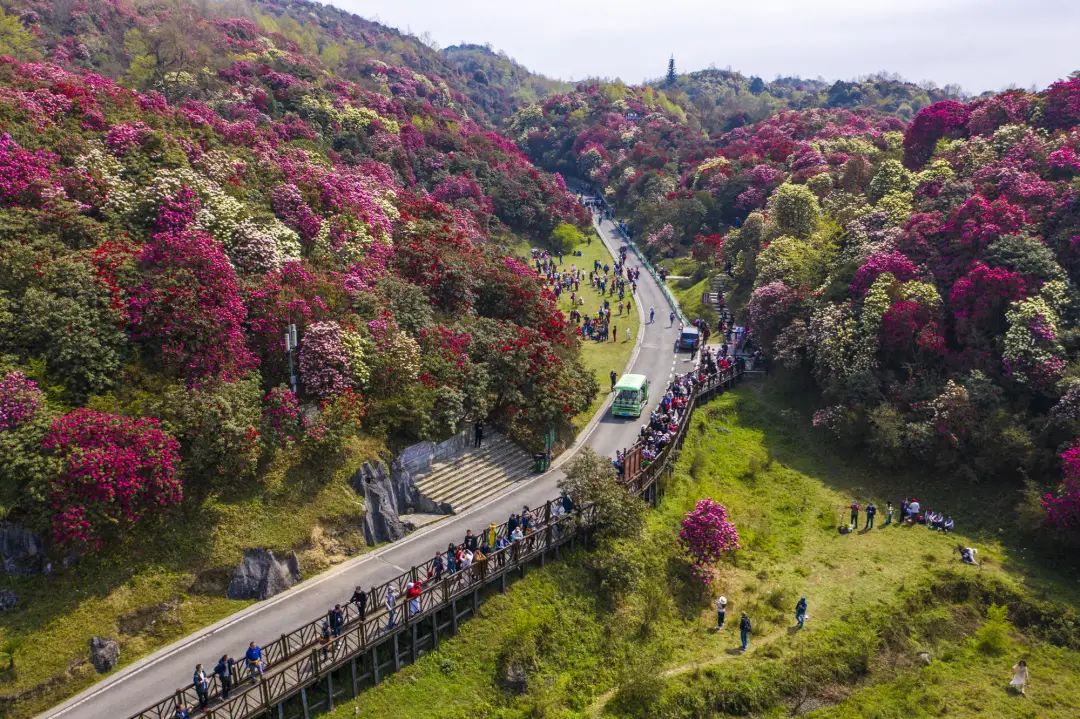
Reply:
x=631 y=396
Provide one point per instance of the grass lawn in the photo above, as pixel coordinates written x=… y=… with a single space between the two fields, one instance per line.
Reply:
x=876 y=600
x=688 y=294
x=169 y=580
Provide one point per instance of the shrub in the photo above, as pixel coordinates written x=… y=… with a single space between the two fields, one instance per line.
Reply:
x=707 y=535
x=993 y=636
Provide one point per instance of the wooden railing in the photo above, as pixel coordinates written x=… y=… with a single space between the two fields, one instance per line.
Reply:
x=297 y=659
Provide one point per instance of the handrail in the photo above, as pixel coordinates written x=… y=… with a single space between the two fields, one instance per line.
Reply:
x=297 y=657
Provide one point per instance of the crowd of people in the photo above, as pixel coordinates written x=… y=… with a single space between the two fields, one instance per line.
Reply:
x=911 y=513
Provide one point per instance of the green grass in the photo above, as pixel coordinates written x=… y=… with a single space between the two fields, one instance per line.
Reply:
x=169 y=580
x=689 y=293
x=876 y=599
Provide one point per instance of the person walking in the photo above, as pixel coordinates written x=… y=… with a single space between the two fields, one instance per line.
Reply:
x=223 y=670
x=871 y=512
x=652 y=314
x=478 y=432
x=671 y=319
x=614 y=378
x=800 y=612
x=359 y=598
x=721 y=612
x=1020 y=678
x=202 y=686
x=744 y=630
x=614 y=333
x=254 y=658
x=855 y=514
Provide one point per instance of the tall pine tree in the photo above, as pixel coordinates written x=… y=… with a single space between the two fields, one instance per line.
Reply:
x=672 y=76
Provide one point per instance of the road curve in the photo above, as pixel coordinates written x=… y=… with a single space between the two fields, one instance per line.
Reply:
x=144 y=682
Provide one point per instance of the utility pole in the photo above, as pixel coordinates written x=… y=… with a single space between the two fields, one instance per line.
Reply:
x=290 y=347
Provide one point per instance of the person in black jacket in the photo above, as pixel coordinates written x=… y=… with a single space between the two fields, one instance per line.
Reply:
x=800 y=612
x=470 y=541
x=478 y=432
x=223 y=670
x=359 y=598
x=744 y=630
x=202 y=686
x=337 y=620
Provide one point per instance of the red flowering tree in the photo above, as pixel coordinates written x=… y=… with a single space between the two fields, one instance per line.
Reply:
x=115 y=469
x=188 y=306
x=1063 y=507
x=707 y=534
x=947 y=118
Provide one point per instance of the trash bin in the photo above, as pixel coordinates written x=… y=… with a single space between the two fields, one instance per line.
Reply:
x=540 y=462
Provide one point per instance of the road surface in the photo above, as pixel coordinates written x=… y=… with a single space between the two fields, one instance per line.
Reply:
x=148 y=680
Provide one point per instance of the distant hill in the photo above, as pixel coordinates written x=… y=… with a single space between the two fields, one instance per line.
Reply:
x=496 y=82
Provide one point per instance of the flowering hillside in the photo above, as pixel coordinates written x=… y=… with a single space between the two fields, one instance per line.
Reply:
x=161 y=228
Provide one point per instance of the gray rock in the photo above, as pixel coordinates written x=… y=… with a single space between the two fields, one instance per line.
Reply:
x=924 y=657
x=261 y=575
x=104 y=654
x=387 y=495
x=8 y=600
x=22 y=551
x=515 y=678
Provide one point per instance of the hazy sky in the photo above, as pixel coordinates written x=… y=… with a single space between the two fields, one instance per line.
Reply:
x=979 y=44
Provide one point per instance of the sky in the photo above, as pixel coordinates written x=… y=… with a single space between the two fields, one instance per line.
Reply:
x=977 y=44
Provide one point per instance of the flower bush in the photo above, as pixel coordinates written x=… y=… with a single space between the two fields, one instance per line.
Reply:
x=116 y=469
x=707 y=534
x=20 y=399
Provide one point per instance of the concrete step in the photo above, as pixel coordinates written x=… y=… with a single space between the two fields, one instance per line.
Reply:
x=476 y=474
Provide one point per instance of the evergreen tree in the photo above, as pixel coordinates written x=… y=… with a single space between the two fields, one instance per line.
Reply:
x=757 y=85
x=672 y=76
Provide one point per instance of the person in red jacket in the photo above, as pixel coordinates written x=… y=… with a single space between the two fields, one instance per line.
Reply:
x=412 y=593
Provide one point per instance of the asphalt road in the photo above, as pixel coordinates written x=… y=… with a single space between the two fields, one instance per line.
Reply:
x=144 y=682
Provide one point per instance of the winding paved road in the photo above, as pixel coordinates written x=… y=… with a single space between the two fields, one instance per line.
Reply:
x=144 y=682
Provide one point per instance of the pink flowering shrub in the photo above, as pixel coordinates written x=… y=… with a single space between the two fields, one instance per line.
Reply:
x=707 y=534
x=324 y=363
x=1062 y=107
x=23 y=174
x=20 y=399
x=1063 y=506
x=115 y=469
x=126 y=136
x=281 y=415
x=894 y=263
x=942 y=119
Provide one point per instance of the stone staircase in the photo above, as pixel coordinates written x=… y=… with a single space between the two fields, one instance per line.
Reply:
x=476 y=474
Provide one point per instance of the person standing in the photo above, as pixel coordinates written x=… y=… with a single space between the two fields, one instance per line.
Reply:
x=391 y=608
x=614 y=378
x=871 y=512
x=800 y=612
x=436 y=567
x=254 y=659
x=888 y=513
x=337 y=620
x=855 y=514
x=1020 y=678
x=744 y=630
x=652 y=314
x=223 y=670
x=359 y=598
x=202 y=686
x=721 y=612
x=614 y=333
x=470 y=540
x=478 y=432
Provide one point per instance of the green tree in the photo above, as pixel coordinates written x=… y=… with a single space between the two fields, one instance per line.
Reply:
x=14 y=39
x=672 y=76
x=565 y=237
x=590 y=479
x=794 y=211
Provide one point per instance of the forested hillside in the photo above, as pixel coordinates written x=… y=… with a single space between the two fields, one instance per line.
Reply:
x=921 y=272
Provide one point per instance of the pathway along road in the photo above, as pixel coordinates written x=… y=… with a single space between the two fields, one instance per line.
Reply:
x=144 y=682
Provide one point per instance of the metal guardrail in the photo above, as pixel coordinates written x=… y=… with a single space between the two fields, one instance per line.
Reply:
x=298 y=659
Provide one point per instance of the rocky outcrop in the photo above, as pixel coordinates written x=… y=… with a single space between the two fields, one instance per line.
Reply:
x=22 y=551
x=262 y=575
x=104 y=654
x=388 y=494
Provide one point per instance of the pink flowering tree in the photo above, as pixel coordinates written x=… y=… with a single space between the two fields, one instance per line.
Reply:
x=281 y=416
x=20 y=400
x=1063 y=506
x=324 y=361
x=947 y=118
x=115 y=470
x=707 y=534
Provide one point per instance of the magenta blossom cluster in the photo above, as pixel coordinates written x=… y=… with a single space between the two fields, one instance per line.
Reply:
x=1063 y=507
x=20 y=399
x=324 y=363
x=281 y=415
x=126 y=136
x=707 y=534
x=115 y=469
x=23 y=174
